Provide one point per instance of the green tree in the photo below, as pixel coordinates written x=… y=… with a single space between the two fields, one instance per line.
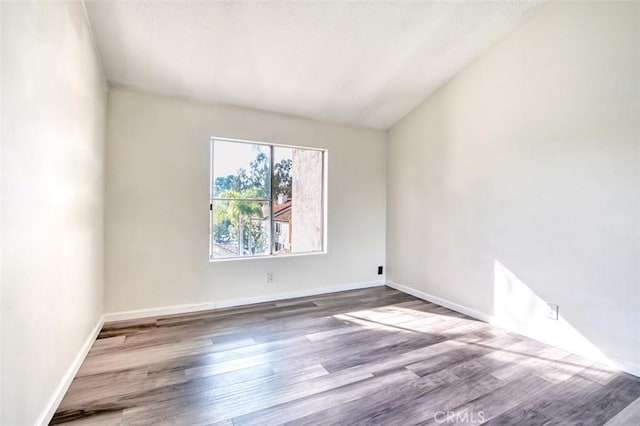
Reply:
x=242 y=218
x=259 y=176
x=222 y=184
x=282 y=180
x=238 y=182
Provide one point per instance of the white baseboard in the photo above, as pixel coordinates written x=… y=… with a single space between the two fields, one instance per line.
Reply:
x=296 y=294
x=194 y=307
x=626 y=366
x=440 y=301
x=161 y=311
x=53 y=403
x=622 y=365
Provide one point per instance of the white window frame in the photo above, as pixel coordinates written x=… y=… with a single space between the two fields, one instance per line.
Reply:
x=271 y=254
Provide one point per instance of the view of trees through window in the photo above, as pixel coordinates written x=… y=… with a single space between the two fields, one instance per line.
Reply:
x=266 y=199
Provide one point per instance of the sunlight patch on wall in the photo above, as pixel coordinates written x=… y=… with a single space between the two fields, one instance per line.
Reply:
x=517 y=307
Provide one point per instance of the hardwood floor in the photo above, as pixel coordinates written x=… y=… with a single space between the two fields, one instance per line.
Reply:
x=364 y=357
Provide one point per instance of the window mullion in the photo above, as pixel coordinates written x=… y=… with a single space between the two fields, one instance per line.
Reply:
x=271 y=242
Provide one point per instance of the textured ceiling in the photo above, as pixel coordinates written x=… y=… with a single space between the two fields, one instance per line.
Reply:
x=363 y=63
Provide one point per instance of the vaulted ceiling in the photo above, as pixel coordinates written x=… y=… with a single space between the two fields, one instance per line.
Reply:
x=366 y=63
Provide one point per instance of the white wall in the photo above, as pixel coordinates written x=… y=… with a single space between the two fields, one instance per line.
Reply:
x=519 y=182
x=157 y=210
x=53 y=105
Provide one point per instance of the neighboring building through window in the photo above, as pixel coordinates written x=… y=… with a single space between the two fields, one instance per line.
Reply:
x=266 y=199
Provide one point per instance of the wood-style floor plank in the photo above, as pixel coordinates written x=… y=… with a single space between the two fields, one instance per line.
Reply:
x=364 y=357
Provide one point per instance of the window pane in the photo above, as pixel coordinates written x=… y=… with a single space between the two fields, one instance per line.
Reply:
x=297 y=204
x=240 y=228
x=241 y=170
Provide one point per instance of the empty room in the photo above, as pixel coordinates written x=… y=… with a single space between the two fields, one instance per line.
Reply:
x=320 y=212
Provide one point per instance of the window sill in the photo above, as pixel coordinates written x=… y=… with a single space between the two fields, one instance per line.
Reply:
x=266 y=256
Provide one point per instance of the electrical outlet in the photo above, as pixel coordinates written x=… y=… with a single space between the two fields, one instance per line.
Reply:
x=552 y=313
x=269 y=277
x=379 y=270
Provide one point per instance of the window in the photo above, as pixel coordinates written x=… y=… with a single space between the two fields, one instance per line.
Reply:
x=266 y=199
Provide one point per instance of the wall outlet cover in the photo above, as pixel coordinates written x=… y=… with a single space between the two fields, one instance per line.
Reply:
x=552 y=313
